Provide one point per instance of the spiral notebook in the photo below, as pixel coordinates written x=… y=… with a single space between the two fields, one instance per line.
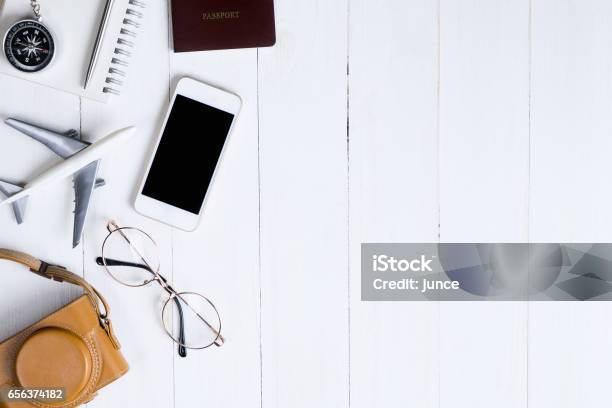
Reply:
x=75 y=24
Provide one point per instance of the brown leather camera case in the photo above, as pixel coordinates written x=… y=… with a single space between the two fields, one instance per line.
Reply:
x=73 y=349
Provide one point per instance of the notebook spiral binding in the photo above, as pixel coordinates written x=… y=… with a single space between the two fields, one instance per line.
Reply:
x=123 y=46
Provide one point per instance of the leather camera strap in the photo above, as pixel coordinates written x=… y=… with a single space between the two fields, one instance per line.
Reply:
x=60 y=274
x=27 y=260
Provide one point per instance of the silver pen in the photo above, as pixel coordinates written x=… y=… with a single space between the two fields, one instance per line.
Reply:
x=101 y=31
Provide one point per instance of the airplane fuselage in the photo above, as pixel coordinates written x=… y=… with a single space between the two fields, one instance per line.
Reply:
x=74 y=163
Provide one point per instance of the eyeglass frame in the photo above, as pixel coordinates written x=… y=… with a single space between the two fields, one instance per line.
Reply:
x=173 y=294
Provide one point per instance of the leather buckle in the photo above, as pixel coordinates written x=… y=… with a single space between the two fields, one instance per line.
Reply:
x=44 y=267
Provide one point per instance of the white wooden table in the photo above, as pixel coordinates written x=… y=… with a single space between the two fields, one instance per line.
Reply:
x=369 y=121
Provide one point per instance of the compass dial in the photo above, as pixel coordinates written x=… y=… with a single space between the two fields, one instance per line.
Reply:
x=29 y=46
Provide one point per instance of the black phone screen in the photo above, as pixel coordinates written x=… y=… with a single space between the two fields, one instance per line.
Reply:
x=187 y=155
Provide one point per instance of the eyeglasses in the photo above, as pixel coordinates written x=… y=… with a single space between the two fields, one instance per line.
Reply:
x=130 y=256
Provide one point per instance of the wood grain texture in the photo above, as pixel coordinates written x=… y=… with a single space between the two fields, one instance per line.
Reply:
x=304 y=238
x=484 y=165
x=221 y=259
x=570 y=343
x=25 y=297
x=393 y=193
x=136 y=311
x=369 y=121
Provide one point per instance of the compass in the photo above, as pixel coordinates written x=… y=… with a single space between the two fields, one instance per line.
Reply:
x=29 y=46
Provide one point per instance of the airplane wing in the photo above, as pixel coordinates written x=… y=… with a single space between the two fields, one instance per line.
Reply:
x=62 y=144
x=19 y=207
x=75 y=154
x=84 y=185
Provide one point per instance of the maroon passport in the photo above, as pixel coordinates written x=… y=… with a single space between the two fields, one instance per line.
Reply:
x=200 y=25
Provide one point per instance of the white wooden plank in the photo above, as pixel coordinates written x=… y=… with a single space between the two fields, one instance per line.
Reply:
x=304 y=210
x=570 y=343
x=46 y=233
x=136 y=313
x=221 y=259
x=393 y=193
x=484 y=163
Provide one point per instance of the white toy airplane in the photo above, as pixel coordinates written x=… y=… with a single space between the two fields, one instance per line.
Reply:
x=81 y=159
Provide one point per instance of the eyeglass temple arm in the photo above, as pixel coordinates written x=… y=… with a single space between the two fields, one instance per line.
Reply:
x=114 y=262
x=182 y=351
x=220 y=340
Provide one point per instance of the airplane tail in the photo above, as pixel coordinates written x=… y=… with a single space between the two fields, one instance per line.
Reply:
x=19 y=207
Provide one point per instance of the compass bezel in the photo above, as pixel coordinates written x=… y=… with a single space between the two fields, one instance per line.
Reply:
x=8 y=51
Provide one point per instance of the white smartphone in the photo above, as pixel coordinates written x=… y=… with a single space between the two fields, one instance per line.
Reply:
x=188 y=151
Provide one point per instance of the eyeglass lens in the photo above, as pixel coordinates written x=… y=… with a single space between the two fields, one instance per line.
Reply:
x=131 y=247
x=201 y=323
